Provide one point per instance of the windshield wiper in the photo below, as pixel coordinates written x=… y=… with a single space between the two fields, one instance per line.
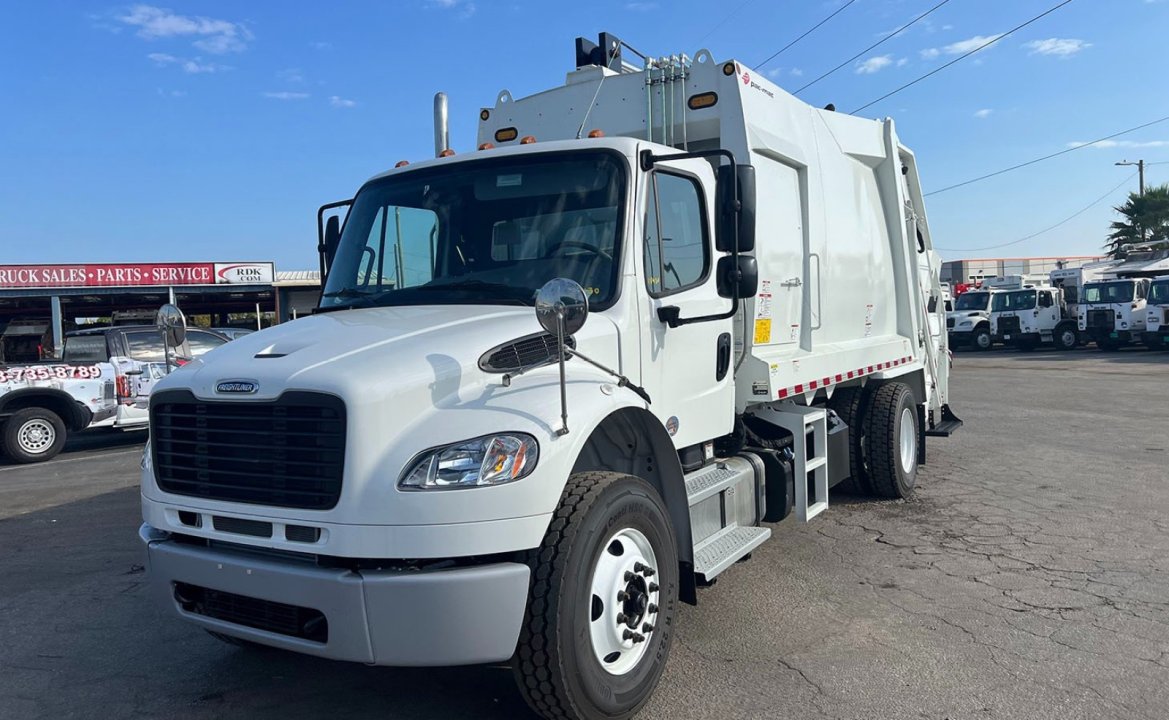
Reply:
x=348 y=293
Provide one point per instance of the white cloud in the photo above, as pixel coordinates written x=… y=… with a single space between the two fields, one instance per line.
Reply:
x=286 y=95
x=796 y=72
x=191 y=67
x=1059 y=47
x=465 y=8
x=321 y=45
x=341 y=102
x=983 y=113
x=291 y=75
x=959 y=48
x=172 y=93
x=902 y=62
x=874 y=64
x=641 y=6
x=1106 y=144
x=775 y=72
x=214 y=36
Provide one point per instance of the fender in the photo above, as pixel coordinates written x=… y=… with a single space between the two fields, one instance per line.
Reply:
x=74 y=413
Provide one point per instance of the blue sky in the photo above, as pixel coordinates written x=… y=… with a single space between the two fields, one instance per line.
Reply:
x=213 y=130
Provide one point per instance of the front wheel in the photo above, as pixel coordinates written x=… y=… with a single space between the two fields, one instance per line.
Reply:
x=604 y=591
x=33 y=435
x=1066 y=337
x=982 y=339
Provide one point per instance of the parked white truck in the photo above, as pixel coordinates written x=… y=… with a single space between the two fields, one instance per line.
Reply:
x=1112 y=312
x=555 y=385
x=968 y=324
x=1072 y=280
x=1157 y=314
x=1033 y=316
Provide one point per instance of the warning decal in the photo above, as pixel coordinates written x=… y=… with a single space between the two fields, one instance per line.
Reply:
x=763 y=331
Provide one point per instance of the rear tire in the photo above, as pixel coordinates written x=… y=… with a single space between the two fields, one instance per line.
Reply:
x=573 y=659
x=33 y=435
x=891 y=438
x=849 y=404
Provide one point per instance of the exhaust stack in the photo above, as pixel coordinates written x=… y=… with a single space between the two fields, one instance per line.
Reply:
x=442 y=139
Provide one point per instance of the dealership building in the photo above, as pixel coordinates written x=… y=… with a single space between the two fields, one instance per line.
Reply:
x=39 y=303
x=975 y=270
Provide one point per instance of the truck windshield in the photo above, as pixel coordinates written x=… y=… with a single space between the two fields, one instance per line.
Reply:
x=972 y=301
x=485 y=232
x=1159 y=293
x=1016 y=300
x=1109 y=292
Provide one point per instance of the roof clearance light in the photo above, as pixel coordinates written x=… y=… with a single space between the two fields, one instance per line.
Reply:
x=729 y=68
x=401 y=163
x=484 y=114
x=486 y=146
x=446 y=153
x=597 y=133
x=703 y=100
x=527 y=140
x=506 y=134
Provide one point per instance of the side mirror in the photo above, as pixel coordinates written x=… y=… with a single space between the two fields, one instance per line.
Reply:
x=744 y=272
x=736 y=214
x=562 y=306
x=332 y=239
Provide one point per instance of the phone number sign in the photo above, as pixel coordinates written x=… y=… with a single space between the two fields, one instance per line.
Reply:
x=136 y=274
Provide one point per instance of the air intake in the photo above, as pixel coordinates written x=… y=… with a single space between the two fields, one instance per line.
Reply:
x=522 y=354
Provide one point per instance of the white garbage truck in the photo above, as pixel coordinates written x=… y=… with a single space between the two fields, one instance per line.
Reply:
x=1157 y=314
x=557 y=384
x=1031 y=316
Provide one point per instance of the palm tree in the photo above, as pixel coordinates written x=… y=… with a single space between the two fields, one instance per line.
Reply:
x=1145 y=220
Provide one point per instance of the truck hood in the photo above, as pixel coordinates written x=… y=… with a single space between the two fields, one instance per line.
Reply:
x=371 y=355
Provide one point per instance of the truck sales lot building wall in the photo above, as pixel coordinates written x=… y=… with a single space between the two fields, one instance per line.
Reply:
x=969 y=270
x=49 y=297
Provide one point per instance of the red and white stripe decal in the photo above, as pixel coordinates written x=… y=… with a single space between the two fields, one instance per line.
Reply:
x=841 y=377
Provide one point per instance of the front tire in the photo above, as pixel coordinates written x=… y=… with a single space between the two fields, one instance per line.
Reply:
x=891 y=438
x=601 y=606
x=1066 y=337
x=982 y=339
x=33 y=435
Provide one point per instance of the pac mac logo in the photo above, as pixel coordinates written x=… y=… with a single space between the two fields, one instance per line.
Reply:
x=245 y=387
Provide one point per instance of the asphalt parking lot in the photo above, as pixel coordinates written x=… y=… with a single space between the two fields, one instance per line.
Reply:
x=1028 y=578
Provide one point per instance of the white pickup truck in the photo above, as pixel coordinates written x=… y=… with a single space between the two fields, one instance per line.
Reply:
x=104 y=379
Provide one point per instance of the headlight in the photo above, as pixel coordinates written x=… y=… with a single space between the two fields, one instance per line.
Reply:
x=146 y=463
x=966 y=323
x=490 y=460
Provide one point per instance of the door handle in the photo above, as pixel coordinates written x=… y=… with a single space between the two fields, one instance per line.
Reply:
x=792 y=282
x=722 y=356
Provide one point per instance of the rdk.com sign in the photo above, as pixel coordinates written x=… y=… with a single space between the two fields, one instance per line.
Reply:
x=244 y=273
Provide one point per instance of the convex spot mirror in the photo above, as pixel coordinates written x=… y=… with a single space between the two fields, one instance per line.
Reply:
x=562 y=306
x=173 y=324
x=743 y=270
x=332 y=238
x=736 y=214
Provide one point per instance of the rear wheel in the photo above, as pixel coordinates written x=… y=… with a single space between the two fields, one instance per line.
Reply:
x=604 y=591
x=891 y=439
x=33 y=435
x=848 y=403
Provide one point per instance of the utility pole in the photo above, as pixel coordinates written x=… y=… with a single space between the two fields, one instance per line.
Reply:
x=1140 y=169
x=1141 y=172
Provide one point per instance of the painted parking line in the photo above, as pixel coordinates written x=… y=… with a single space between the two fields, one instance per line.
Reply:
x=95 y=456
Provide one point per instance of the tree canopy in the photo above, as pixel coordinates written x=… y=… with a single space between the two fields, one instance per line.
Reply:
x=1145 y=219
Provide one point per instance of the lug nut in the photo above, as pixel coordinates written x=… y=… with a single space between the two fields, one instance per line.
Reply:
x=628 y=576
x=638 y=637
x=627 y=635
x=653 y=587
x=647 y=628
x=648 y=571
x=622 y=596
x=638 y=567
x=652 y=609
x=621 y=618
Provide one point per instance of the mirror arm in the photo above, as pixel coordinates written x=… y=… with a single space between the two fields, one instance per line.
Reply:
x=622 y=381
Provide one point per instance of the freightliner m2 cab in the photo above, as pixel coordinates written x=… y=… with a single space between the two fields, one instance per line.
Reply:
x=558 y=383
x=969 y=322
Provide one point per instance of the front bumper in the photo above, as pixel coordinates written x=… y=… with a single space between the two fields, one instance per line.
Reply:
x=456 y=616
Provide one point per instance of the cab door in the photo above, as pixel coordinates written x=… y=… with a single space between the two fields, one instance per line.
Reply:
x=687 y=370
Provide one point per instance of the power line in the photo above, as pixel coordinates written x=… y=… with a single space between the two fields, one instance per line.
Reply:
x=724 y=20
x=963 y=56
x=1048 y=157
x=887 y=38
x=1066 y=220
x=807 y=32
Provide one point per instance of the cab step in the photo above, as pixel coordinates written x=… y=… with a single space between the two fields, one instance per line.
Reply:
x=947 y=426
x=725 y=548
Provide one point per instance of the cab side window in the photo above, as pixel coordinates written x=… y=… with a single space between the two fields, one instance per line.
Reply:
x=1044 y=299
x=677 y=251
